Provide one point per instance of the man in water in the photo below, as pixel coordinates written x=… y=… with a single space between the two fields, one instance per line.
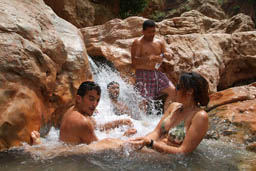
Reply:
x=77 y=124
x=113 y=92
x=119 y=107
x=147 y=54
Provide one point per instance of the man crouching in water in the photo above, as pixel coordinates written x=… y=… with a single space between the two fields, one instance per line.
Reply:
x=77 y=124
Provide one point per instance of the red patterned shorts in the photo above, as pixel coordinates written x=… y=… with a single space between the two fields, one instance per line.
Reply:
x=150 y=82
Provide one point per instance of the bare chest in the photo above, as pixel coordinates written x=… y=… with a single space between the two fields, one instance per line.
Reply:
x=150 y=49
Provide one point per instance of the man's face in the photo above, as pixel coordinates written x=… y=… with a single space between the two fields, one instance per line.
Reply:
x=89 y=102
x=149 y=33
x=113 y=91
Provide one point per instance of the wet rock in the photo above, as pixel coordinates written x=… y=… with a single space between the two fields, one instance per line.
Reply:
x=231 y=95
x=228 y=132
x=251 y=147
x=212 y=134
x=235 y=121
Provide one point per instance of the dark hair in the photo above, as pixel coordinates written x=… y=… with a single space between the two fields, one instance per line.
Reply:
x=198 y=84
x=88 y=86
x=148 y=23
x=112 y=83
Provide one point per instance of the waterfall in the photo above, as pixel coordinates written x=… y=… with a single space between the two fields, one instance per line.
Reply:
x=104 y=74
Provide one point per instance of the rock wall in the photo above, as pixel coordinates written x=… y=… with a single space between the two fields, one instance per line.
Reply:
x=196 y=41
x=83 y=13
x=43 y=60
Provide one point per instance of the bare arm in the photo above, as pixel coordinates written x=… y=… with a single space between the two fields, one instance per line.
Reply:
x=86 y=132
x=167 y=54
x=115 y=124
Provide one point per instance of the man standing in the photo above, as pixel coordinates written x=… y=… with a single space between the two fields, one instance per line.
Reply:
x=147 y=54
x=77 y=124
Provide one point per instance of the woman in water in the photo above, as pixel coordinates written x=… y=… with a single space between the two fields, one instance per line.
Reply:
x=190 y=120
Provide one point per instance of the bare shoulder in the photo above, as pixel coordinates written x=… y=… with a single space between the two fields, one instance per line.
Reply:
x=77 y=120
x=201 y=116
x=159 y=40
x=136 y=41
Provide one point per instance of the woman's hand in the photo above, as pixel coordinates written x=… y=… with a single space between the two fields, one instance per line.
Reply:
x=140 y=142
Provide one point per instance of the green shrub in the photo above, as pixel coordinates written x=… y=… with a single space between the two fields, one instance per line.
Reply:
x=131 y=7
x=236 y=9
x=187 y=7
x=252 y=1
x=158 y=16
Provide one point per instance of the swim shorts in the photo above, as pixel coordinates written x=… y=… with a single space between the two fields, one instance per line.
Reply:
x=150 y=82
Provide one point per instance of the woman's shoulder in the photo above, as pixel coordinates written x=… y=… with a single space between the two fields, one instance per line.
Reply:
x=201 y=115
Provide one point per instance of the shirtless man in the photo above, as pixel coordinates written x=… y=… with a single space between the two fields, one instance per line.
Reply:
x=147 y=52
x=77 y=124
x=113 y=92
x=119 y=108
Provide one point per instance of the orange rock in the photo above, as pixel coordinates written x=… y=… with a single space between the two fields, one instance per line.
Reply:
x=231 y=95
x=43 y=60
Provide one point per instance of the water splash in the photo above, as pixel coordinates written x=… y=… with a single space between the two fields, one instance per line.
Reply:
x=103 y=74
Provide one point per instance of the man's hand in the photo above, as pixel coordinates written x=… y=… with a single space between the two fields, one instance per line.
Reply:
x=156 y=58
x=130 y=132
x=126 y=122
x=168 y=56
x=35 y=136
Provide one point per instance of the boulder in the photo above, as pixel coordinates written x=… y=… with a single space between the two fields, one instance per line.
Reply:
x=232 y=115
x=43 y=60
x=84 y=13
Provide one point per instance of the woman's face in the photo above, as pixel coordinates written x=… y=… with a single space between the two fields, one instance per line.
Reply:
x=181 y=93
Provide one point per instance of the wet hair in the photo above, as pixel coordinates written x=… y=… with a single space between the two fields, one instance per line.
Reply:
x=198 y=83
x=88 y=86
x=148 y=23
x=112 y=83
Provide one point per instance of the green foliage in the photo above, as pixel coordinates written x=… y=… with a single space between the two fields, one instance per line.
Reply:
x=158 y=16
x=236 y=9
x=252 y=1
x=220 y=2
x=187 y=7
x=131 y=7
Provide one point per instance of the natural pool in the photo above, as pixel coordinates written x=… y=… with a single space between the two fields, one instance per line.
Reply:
x=210 y=155
x=54 y=155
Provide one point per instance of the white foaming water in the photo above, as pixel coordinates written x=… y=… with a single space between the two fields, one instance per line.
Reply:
x=103 y=75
